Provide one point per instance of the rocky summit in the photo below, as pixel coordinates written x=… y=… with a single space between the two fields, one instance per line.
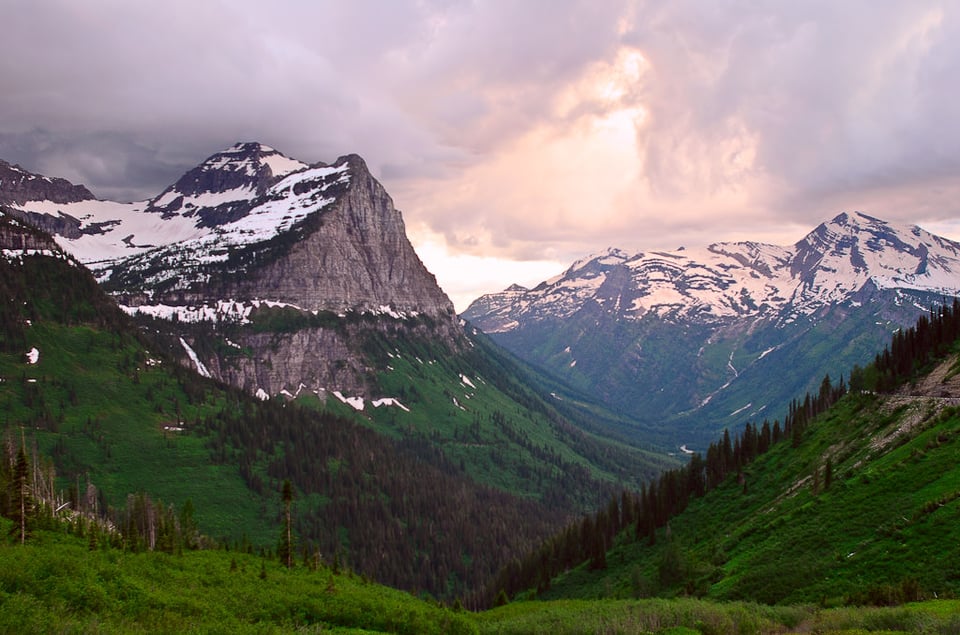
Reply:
x=252 y=232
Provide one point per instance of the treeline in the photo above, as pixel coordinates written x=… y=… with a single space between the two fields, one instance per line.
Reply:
x=42 y=288
x=657 y=501
x=398 y=512
x=910 y=350
x=28 y=497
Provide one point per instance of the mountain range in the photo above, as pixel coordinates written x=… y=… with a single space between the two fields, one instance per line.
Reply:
x=277 y=325
x=694 y=340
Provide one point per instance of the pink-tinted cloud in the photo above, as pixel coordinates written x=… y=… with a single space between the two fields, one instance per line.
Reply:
x=530 y=132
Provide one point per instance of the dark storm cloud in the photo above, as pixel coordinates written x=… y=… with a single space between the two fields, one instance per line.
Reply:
x=542 y=129
x=410 y=85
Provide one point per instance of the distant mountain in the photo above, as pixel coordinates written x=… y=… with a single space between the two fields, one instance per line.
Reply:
x=18 y=186
x=700 y=339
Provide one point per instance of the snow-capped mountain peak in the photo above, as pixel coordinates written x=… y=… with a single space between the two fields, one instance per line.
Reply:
x=723 y=281
x=698 y=339
x=245 y=193
x=221 y=188
x=840 y=256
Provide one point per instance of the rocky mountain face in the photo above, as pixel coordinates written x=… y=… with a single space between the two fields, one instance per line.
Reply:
x=713 y=337
x=297 y=281
x=17 y=186
x=247 y=236
x=18 y=238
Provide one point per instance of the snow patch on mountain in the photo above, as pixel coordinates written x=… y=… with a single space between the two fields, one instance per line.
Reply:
x=201 y=369
x=281 y=165
x=105 y=232
x=110 y=231
x=277 y=211
x=389 y=401
x=354 y=402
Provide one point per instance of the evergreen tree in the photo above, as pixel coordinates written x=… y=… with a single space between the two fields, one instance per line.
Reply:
x=286 y=548
x=21 y=502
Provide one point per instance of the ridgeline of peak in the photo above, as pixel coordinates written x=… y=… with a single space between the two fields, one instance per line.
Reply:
x=19 y=186
x=223 y=187
x=736 y=279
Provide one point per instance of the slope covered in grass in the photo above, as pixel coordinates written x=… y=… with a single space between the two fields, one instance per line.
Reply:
x=863 y=507
x=56 y=583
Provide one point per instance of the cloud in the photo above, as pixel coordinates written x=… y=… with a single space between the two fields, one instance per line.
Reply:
x=534 y=131
x=802 y=104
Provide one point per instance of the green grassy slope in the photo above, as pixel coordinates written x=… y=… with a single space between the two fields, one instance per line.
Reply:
x=55 y=583
x=105 y=411
x=479 y=408
x=882 y=527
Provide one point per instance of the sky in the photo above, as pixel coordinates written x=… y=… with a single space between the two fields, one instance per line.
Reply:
x=515 y=136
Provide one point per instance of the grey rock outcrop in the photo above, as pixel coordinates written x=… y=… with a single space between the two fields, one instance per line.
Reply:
x=18 y=186
x=358 y=258
x=16 y=235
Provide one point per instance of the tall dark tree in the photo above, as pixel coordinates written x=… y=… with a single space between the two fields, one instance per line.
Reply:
x=286 y=548
x=21 y=502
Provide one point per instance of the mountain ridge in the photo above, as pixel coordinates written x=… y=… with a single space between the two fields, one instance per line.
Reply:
x=699 y=339
x=308 y=289
x=740 y=279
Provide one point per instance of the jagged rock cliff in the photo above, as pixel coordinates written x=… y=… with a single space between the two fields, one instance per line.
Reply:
x=18 y=237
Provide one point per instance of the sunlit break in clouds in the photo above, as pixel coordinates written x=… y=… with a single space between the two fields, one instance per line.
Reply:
x=515 y=137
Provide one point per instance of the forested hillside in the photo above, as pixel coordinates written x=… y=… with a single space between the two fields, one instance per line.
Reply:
x=123 y=426
x=852 y=498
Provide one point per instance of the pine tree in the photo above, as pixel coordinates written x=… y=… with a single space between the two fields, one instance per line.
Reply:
x=286 y=548
x=20 y=499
